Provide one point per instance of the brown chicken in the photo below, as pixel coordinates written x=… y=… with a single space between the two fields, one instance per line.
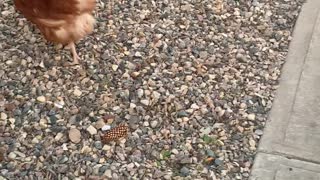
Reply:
x=60 y=21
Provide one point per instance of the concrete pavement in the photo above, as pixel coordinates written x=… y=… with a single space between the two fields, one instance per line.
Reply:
x=290 y=146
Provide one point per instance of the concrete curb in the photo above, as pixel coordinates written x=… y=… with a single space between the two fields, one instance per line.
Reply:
x=277 y=141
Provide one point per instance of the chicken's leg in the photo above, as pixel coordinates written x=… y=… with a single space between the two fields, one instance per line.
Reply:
x=75 y=56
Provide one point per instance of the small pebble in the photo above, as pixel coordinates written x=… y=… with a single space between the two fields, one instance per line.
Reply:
x=184 y=171
x=92 y=130
x=258 y=132
x=115 y=67
x=74 y=135
x=154 y=124
x=251 y=117
x=12 y=155
x=77 y=92
x=218 y=162
x=175 y=151
x=100 y=124
x=106 y=128
x=3 y=116
x=106 y=147
x=145 y=102
x=58 y=136
x=41 y=99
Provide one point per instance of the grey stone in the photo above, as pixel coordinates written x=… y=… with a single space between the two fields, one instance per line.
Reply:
x=184 y=171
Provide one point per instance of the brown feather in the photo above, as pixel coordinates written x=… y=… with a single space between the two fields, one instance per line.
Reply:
x=60 y=21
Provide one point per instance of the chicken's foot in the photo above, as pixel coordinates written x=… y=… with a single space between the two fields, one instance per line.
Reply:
x=75 y=56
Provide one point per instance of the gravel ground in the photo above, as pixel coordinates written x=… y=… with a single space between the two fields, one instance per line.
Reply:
x=193 y=80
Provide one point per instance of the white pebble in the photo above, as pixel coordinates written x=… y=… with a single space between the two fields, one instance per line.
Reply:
x=189 y=78
x=86 y=149
x=138 y=54
x=130 y=166
x=3 y=116
x=115 y=67
x=243 y=105
x=77 y=92
x=145 y=102
x=59 y=104
x=106 y=147
x=27 y=159
x=140 y=93
x=92 y=130
x=156 y=95
x=116 y=108
x=175 y=151
x=146 y=124
x=12 y=155
x=41 y=99
x=252 y=143
x=106 y=128
x=132 y=105
x=64 y=147
x=58 y=136
x=108 y=173
x=6 y=13
x=35 y=140
x=9 y=62
x=43 y=123
x=194 y=106
x=251 y=117
x=154 y=124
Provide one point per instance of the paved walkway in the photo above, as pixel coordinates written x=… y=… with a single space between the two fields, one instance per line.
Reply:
x=290 y=147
